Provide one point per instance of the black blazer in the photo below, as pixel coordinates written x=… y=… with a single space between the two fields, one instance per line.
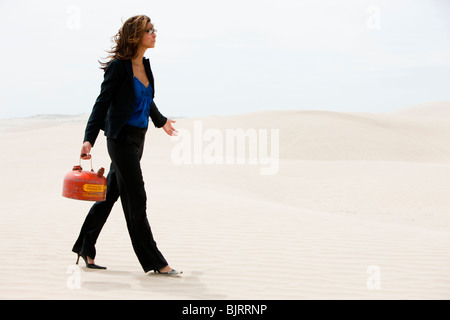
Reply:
x=114 y=105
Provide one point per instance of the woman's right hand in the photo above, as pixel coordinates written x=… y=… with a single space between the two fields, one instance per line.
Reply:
x=86 y=151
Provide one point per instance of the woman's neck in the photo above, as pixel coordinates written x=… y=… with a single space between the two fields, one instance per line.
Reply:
x=140 y=56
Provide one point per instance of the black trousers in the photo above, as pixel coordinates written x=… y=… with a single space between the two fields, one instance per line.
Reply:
x=125 y=180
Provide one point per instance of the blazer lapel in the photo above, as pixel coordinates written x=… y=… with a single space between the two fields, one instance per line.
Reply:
x=149 y=73
x=129 y=68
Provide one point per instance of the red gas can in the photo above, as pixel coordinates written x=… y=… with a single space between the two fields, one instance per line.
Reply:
x=85 y=185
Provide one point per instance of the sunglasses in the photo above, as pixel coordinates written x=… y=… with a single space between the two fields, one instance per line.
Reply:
x=151 y=31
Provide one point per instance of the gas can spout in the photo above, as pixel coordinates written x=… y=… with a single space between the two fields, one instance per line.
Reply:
x=100 y=172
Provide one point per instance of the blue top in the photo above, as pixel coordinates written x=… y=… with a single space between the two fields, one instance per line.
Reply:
x=144 y=99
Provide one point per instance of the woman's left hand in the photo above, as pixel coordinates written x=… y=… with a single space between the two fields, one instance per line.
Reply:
x=169 y=129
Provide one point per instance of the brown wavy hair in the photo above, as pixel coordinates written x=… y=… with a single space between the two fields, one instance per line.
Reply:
x=126 y=41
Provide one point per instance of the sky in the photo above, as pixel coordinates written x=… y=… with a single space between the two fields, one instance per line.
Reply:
x=231 y=57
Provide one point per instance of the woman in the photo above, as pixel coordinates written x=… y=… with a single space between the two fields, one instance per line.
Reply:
x=122 y=110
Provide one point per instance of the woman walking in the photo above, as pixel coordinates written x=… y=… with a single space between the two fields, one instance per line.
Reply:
x=122 y=110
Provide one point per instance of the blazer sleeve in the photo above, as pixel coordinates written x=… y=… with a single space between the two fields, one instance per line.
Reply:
x=157 y=118
x=97 y=118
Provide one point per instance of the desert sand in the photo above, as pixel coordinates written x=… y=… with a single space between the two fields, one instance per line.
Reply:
x=356 y=208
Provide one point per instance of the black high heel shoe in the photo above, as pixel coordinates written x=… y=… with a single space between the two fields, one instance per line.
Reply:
x=172 y=272
x=90 y=265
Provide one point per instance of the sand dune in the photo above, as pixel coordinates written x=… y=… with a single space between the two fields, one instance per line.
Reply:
x=357 y=209
x=326 y=136
x=434 y=110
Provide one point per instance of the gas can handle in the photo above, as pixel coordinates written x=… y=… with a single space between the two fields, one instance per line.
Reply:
x=92 y=169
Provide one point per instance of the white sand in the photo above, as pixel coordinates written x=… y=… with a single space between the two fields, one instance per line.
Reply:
x=359 y=209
